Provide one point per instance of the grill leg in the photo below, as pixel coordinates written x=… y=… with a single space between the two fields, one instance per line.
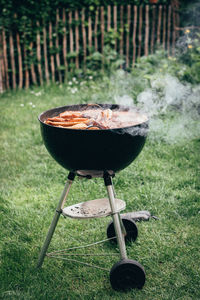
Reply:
x=54 y=222
x=118 y=225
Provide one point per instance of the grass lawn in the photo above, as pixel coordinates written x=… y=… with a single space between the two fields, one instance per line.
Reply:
x=164 y=179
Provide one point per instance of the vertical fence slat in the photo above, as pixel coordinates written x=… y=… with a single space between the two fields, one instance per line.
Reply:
x=164 y=26
x=33 y=74
x=134 y=34
x=176 y=21
x=89 y=32
x=115 y=22
x=102 y=33
x=174 y=32
x=12 y=59
x=176 y=8
x=108 y=17
x=38 y=42
x=140 y=30
x=169 y=29
x=1 y=77
x=46 y=67
x=64 y=42
x=95 y=29
x=102 y=28
x=26 y=67
x=146 y=48
x=5 y=59
x=1 y=64
x=153 y=28
x=77 y=39
x=4 y=46
x=57 y=46
x=19 y=52
x=51 y=55
x=71 y=37
x=3 y=71
x=159 y=23
x=84 y=38
x=127 y=34
x=121 y=30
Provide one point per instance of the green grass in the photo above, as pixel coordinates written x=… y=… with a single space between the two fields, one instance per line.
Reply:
x=164 y=179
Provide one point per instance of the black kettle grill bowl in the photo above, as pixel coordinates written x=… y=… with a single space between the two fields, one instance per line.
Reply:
x=101 y=150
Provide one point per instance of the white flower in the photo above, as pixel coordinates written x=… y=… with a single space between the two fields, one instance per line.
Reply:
x=74 y=78
x=33 y=106
x=22 y=104
x=90 y=77
x=38 y=94
x=70 y=83
x=74 y=90
x=30 y=103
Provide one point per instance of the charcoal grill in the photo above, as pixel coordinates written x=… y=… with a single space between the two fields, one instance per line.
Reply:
x=97 y=153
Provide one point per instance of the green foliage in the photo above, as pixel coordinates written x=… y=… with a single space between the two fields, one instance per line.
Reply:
x=103 y=64
x=30 y=10
x=191 y=58
x=185 y=65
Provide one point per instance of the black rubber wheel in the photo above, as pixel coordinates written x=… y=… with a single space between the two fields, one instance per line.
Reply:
x=131 y=230
x=127 y=274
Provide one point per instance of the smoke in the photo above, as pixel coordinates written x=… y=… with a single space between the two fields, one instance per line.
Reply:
x=123 y=100
x=166 y=91
x=173 y=109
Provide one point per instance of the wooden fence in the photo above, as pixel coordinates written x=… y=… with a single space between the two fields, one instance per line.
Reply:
x=59 y=47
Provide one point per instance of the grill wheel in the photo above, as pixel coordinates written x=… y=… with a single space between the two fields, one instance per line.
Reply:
x=131 y=230
x=127 y=274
